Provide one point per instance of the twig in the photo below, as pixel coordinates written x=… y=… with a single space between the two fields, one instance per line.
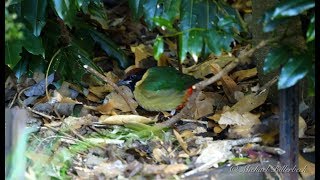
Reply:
x=202 y=84
x=13 y=100
x=107 y=80
x=267 y=149
x=40 y=113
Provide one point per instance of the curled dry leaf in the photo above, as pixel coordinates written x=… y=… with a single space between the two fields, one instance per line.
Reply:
x=244 y=74
x=118 y=102
x=124 y=119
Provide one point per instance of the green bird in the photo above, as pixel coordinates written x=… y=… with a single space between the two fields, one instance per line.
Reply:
x=161 y=88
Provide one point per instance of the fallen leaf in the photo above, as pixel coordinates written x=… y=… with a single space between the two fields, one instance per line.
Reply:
x=203 y=106
x=244 y=74
x=307 y=168
x=164 y=170
x=215 y=152
x=106 y=109
x=39 y=88
x=204 y=69
x=250 y=102
x=182 y=143
x=118 y=102
x=141 y=52
x=235 y=118
x=228 y=85
x=124 y=119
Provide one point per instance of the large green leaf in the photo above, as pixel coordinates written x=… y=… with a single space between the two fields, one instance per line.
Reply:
x=66 y=10
x=12 y=53
x=33 y=44
x=34 y=11
x=69 y=63
x=13 y=49
x=290 y=8
x=136 y=7
x=294 y=70
x=276 y=57
x=110 y=48
x=283 y=11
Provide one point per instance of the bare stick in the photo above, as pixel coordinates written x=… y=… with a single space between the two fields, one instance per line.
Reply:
x=41 y=114
x=107 y=80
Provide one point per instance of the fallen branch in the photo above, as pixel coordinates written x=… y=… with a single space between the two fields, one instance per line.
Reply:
x=243 y=58
x=115 y=87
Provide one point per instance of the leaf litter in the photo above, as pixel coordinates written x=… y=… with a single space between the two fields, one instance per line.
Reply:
x=89 y=132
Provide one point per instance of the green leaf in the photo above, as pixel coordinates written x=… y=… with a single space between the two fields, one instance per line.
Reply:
x=33 y=44
x=158 y=48
x=283 y=11
x=311 y=31
x=98 y=13
x=34 y=11
x=66 y=10
x=290 y=8
x=136 y=6
x=151 y=9
x=110 y=48
x=276 y=57
x=294 y=70
x=69 y=63
x=206 y=26
x=218 y=41
x=12 y=53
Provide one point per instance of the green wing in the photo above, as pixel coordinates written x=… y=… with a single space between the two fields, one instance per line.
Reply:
x=164 y=78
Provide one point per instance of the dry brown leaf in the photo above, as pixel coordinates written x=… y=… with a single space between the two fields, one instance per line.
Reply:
x=93 y=98
x=229 y=86
x=175 y=169
x=158 y=154
x=204 y=69
x=215 y=152
x=100 y=91
x=118 y=102
x=244 y=74
x=235 y=118
x=106 y=109
x=141 y=52
x=241 y=123
x=307 y=168
x=203 y=106
x=76 y=122
x=164 y=170
x=124 y=119
x=250 y=102
x=302 y=126
x=60 y=98
x=182 y=143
